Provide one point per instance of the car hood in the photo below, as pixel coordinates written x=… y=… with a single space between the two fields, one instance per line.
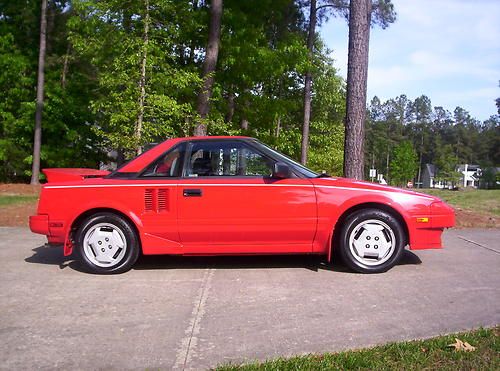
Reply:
x=368 y=186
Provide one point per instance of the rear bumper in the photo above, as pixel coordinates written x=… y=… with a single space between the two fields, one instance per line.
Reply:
x=39 y=224
x=54 y=230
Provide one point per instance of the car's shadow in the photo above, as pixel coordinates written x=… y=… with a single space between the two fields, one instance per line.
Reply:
x=54 y=256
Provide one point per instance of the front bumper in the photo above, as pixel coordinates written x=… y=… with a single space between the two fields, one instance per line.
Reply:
x=427 y=230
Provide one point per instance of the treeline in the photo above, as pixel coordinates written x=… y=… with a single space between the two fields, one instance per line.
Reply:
x=403 y=135
x=122 y=74
x=110 y=62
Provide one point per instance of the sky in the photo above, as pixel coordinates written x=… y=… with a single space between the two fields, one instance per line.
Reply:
x=448 y=50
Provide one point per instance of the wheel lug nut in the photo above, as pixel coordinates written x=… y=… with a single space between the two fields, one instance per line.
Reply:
x=376 y=238
x=367 y=246
x=103 y=250
x=100 y=242
x=376 y=246
x=107 y=239
x=368 y=237
x=110 y=246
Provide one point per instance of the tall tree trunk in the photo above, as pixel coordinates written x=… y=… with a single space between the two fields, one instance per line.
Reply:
x=192 y=44
x=244 y=123
x=64 y=72
x=211 y=55
x=142 y=82
x=230 y=105
x=277 y=131
x=308 y=84
x=357 y=74
x=419 y=184
x=37 y=142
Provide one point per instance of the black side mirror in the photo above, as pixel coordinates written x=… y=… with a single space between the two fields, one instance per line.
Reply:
x=281 y=170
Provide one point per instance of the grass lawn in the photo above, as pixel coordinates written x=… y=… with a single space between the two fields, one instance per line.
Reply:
x=478 y=200
x=8 y=200
x=411 y=355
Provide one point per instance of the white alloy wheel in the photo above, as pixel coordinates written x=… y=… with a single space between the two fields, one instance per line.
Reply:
x=372 y=242
x=105 y=245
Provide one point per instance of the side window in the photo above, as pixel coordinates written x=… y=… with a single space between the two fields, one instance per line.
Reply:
x=168 y=165
x=226 y=159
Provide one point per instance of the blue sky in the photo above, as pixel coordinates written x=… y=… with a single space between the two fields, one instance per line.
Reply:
x=448 y=50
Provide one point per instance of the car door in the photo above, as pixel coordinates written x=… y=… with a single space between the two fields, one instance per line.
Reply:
x=229 y=203
x=156 y=186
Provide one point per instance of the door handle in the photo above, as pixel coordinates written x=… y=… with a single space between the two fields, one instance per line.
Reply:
x=192 y=193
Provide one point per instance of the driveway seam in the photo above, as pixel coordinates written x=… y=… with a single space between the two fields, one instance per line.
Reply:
x=478 y=244
x=188 y=344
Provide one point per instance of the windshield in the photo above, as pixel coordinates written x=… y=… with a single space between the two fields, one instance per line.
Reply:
x=308 y=173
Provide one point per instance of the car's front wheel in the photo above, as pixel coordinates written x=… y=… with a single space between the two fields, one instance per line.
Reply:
x=107 y=244
x=371 y=241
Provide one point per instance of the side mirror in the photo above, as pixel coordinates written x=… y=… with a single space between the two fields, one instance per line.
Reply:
x=281 y=170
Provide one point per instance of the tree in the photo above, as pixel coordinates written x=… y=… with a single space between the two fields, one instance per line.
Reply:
x=142 y=81
x=497 y=103
x=404 y=164
x=308 y=83
x=143 y=93
x=360 y=20
x=209 y=65
x=446 y=162
x=357 y=73
x=37 y=141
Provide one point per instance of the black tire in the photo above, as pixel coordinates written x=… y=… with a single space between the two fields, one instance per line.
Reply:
x=105 y=222
x=371 y=261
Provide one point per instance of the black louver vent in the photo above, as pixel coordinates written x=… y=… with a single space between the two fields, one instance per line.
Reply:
x=162 y=200
x=148 y=199
x=156 y=200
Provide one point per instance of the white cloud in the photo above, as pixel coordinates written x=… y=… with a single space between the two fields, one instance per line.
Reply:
x=447 y=49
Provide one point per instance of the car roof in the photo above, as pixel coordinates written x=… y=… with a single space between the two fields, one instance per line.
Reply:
x=141 y=161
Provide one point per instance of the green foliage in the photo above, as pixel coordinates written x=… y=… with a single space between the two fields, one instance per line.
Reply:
x=95 y=51
x=16 y=108
x=112 y=38
x=446 y=162
x=404 y=164
x=439 y=137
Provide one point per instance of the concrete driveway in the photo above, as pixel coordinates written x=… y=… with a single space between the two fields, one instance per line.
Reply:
x=196 y=313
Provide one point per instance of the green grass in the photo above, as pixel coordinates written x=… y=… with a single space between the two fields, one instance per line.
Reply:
x=479 y=200
x=7 y=200
x=411 y=355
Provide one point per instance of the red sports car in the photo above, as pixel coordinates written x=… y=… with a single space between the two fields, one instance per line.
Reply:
x=230 y=196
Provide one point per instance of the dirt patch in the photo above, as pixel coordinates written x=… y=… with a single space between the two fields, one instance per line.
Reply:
x=10 y=189
x=471 y=219
x=17 y=215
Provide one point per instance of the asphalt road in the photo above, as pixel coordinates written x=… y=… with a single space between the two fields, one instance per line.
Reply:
x=196 y=313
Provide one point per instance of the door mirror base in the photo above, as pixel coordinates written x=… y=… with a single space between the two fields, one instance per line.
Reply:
x=281 y=170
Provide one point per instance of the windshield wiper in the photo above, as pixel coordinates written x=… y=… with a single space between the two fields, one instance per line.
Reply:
x=323 y=175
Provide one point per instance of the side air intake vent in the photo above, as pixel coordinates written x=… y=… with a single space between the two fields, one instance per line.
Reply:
x=148 y=200
x=162 y=200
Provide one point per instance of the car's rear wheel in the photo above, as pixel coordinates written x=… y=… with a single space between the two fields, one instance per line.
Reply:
x=107 y=244
x=371 y=241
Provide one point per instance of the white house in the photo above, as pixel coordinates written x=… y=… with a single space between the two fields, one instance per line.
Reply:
x=469 y=175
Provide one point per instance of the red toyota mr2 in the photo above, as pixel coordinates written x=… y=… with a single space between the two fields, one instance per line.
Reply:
x=230 y=196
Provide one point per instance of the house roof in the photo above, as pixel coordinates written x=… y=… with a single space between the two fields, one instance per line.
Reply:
x=431 y=169
x=470 y=167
